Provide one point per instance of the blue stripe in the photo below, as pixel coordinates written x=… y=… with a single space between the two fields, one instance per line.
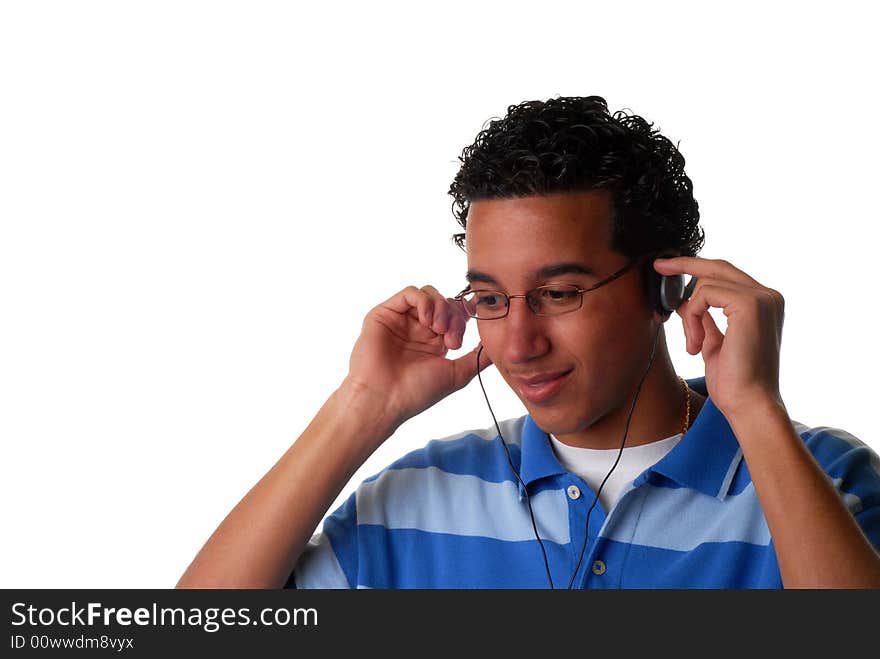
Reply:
x=725 y=565
x=847 y=459
x=449 y=516
x=407 y=558
x=869 y=520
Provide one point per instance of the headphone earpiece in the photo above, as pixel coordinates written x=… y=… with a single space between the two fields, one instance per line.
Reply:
x=671 y=292
x=667 y=292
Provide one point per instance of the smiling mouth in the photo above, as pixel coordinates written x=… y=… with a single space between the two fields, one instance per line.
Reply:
x=545 y=389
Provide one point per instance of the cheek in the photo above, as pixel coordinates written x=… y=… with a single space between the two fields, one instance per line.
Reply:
x=590 y=345
x=574 y=336
x=488 y=337
x=604 y=342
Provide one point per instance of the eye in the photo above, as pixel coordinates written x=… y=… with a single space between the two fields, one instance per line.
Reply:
x=558 y=294
x=487 y=299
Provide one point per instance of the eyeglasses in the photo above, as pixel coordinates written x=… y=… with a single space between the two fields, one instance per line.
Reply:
x=547 y=300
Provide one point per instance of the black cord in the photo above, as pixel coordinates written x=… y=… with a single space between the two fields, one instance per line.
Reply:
x=602 y=484
x=510 y=461
x=619 y=454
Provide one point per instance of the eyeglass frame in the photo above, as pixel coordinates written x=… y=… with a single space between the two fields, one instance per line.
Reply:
x=581 y=291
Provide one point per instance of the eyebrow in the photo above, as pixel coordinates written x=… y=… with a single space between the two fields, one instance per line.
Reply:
x=565 y=268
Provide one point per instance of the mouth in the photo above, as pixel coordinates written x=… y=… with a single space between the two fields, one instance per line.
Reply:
x=541 y=388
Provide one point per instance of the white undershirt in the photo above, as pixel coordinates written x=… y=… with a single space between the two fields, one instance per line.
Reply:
x=592 y=465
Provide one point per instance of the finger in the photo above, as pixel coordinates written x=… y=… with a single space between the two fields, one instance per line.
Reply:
x=715 y=293
x=455 y=336
x=412 y=301
x=441 y=313
x=713 y=337
x=450 y=318
x=700 y=267
x=684 y=328
x=465 y=367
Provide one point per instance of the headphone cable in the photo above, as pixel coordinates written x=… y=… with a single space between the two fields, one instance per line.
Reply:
x=596 y=498
x=510 y=461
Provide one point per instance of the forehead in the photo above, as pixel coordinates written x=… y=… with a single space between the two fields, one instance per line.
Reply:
x=524 y=234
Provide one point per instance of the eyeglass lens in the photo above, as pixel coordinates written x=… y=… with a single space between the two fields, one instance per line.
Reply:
x=544 y=301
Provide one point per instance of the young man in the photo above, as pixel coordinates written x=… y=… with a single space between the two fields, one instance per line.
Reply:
x=621 y=475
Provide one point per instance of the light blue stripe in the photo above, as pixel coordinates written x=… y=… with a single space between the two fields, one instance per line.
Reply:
x=731 y=472
x=680 y=520
x=473 y=452
x=511 y=429
x=852 y=502
x=436 y=501
x=317 y=566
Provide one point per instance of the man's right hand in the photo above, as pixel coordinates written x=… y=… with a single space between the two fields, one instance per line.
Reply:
x=400 y=359
x=398 y=368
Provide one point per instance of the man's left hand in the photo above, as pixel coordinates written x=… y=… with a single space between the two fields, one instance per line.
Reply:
x=742 y=364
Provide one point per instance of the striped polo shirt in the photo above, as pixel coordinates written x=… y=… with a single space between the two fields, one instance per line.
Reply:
x=453 y=515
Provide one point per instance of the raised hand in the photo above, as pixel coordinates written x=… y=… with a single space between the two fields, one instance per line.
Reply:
x=400 y=355
x=742 y=365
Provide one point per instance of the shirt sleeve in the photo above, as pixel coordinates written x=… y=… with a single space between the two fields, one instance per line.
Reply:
x=330 y=558
x=854 y=470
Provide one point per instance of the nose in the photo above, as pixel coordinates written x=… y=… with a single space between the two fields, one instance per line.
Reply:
x=524 y=333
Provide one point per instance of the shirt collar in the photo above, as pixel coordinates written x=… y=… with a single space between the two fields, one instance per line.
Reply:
x=707 y=456
x=705 y=459
x=538 y=459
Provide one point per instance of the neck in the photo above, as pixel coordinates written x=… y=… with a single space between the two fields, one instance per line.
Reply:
x=659 y=411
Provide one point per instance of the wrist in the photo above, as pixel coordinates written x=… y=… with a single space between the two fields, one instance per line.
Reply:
x=748 y=402
x=757 y=414
x=370 y=407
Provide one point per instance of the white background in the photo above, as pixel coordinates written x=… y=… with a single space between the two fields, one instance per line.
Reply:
x=175 y=176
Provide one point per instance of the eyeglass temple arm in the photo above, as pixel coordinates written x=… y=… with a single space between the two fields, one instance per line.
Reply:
x=611 y=278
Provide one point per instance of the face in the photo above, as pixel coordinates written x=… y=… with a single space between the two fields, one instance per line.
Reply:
x=601 y=349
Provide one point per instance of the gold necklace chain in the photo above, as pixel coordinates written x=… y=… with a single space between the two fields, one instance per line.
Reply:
x=687 y=413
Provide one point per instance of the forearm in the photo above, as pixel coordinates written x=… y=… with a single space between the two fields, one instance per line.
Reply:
x=817 y=540
x=259 y=541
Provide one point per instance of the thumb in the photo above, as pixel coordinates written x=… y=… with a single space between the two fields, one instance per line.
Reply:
x=465 y=367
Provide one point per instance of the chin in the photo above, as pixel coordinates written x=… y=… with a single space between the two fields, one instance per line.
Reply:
x=558 y=419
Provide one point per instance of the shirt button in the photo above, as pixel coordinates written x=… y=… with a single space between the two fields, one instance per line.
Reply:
x=573 y=492
x=598 y=567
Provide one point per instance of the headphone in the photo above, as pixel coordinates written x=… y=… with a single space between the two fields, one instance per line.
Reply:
x=665 y=294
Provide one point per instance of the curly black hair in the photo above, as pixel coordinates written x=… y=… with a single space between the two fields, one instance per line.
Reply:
x=573 y=144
